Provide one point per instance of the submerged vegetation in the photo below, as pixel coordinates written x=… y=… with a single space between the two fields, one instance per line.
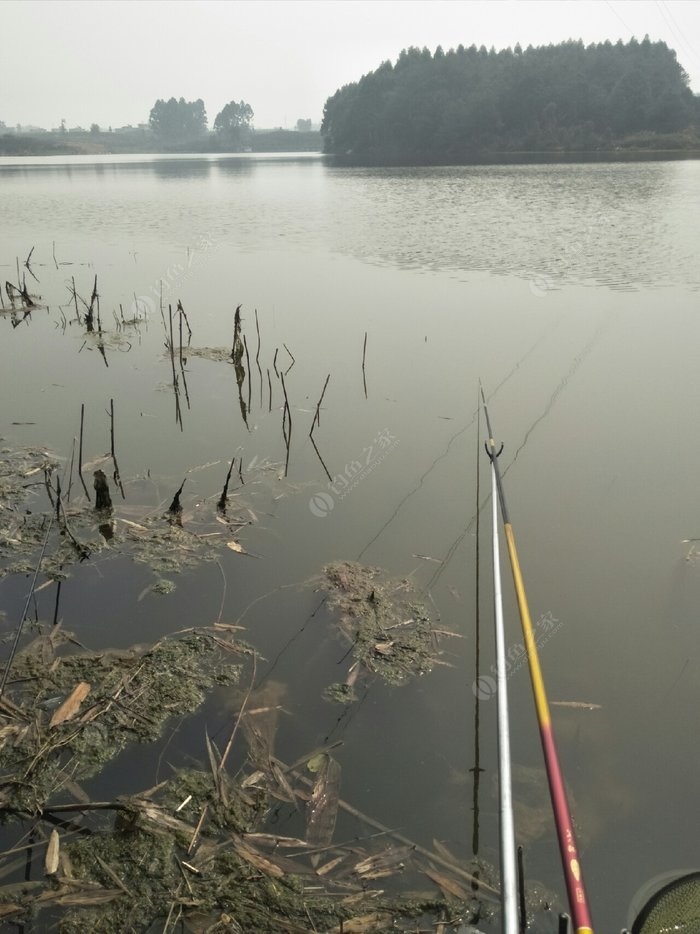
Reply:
x=452 y=106
x=388 y=629
x=196 y=847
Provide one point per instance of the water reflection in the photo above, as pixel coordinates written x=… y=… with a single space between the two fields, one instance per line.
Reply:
x=615 y=224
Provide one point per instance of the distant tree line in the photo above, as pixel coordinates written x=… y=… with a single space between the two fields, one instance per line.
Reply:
x=448 y=105
x=181 y=121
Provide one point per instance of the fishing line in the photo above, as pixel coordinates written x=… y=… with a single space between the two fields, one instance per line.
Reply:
x=13 y=650
x=514 y=369
x=578 y=360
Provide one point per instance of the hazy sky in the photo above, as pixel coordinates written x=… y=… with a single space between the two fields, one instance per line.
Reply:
x=107 y=61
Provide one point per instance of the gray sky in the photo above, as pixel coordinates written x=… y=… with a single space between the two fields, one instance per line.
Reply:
x=107 y=61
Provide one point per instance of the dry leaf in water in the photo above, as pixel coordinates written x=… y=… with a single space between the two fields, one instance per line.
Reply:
x=51 y=861
x=448 y=885
x=71 y=705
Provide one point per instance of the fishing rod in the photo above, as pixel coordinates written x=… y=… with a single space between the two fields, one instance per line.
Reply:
x=509 y=884
x=571 y=865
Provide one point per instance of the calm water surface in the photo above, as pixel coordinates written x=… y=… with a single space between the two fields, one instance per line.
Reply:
x=571 y=290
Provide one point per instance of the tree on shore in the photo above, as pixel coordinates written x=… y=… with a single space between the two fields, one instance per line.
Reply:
x=446 y=105
x=176 y=121
x=233 y=124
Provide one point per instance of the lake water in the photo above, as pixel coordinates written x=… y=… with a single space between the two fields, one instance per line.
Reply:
x=571 y=291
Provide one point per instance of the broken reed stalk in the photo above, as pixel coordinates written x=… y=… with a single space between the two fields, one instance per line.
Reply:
x=286 y=414
x=182 y=312
x=116 y=475
x=257 y=328
x=83 y=550
x=13 y=650
x=80 y=448
x=237 y=347
x=257 y=357
x=53 y=250
x=29 y=257
x=364 y=354
x=269 y=389
x=75 y=299
x=223 y=499
x=90 y=316
x=103 y=501
x=70 y=469
x=250 y=382
x=170 y=345
x=175 y=508
x=317 y=416
x=318 y=454
x=274 y=362
x=317 y=421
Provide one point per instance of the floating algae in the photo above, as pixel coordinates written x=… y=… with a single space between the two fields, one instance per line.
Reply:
x=131 y=695
x=217 y=354
x=388 y=628
x=195 y=849
x=31 y=493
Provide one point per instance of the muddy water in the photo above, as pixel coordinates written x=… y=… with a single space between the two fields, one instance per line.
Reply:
x=572 y=291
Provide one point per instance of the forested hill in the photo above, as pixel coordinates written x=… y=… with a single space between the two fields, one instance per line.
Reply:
x=449 y=106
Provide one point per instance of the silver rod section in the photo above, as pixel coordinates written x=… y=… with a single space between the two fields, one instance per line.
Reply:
x=509 y=876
